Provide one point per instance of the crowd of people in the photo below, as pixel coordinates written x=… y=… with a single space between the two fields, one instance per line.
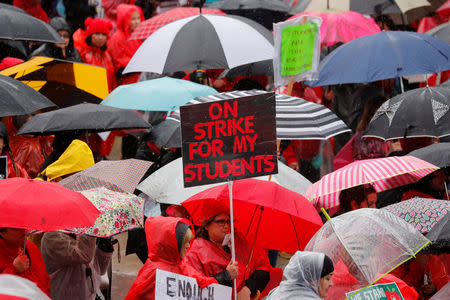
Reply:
x=68 y=266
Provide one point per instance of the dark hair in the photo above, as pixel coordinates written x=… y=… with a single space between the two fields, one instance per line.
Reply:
x=88 y=41
x=202 y=231
x=246 y=84
x=357 y=194
x=327 y=267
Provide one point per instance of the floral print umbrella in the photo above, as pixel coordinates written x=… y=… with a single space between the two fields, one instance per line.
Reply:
x=119 y=212
x=422 y=213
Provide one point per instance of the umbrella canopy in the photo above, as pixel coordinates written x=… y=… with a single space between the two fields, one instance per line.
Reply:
x=439 y=235
x=120 y=175
x=203 y=42
x=415 y=113
x=371 y=242
x=422 y=213
x=17 y=98
x=65 y=83
x=388 y=54
x=166 y=184
x=13 y=287
x=86 y=116
x=119 y=212
x=162 y=94
x=437 y=154
x=146 y=28
x=441 y=32
x=382 y=173
x=15 y=24
x=296 y=118
x=264 y=67
x=276 y=206
x=342 y=26
x=42 y=205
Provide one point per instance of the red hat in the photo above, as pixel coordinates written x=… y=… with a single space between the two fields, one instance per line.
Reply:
x=97 y=25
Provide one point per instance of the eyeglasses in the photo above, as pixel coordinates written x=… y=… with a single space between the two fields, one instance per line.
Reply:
x=222 y=222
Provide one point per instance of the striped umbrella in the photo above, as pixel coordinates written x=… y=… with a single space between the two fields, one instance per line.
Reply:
x=296 y=118
x=382 y=173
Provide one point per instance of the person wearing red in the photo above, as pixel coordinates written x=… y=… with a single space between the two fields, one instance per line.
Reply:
x=14 y=169
x=94 y=50
x=168 y=240
x=33 y=7
x=119 y=45
x=14 y=260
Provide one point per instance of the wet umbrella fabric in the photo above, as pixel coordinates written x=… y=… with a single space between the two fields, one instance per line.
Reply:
x=17 y=25
x=42 y=205
x=264 y=67
x=203 y=42
x=66 y=83
x=388 y=54
x=437 y=154
x=439 y=235
x=441 y=32
x=415 y=113
x=166 y=184
x=17 y=98
x=86 y=116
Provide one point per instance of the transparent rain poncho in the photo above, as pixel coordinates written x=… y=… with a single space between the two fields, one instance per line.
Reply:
x=367 y=243
x=20 y=287
x=302 y=277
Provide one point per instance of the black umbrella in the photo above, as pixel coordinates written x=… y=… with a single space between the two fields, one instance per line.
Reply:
x=15 y=24
x=86 y=116
x=439 y=236
x=264 y=67
x=441 y=32
x=438 y=154
x=420 y=112
x=17 y=98
x=168 y=132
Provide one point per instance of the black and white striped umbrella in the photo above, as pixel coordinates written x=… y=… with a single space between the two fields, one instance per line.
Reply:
x=297 y=119
x=203 y=42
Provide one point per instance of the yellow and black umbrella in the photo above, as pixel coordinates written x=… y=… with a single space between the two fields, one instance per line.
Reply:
x=65 y=83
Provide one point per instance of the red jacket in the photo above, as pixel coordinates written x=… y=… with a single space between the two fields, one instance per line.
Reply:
x=33 y=7
x=15 y=170
x=162 y=254
x=35 y=273
x=119 y=45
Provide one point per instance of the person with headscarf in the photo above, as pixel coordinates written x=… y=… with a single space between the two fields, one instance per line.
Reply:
x=13 y=169
x=168 y=241
x=308 y=277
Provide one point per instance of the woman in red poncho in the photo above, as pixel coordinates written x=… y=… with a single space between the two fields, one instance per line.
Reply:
x=168 y=240
x=119 y=45
x=14 y=261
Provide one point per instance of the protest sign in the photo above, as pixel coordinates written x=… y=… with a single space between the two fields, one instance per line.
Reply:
x=3 y=167
x=229 y=139
x=171 y=286
x=384 y=291
x=297 y=49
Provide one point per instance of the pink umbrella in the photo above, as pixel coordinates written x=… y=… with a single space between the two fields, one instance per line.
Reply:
x=382 y=173
x=342 y=26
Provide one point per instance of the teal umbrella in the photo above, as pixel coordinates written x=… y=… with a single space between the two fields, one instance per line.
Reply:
x=162 y=94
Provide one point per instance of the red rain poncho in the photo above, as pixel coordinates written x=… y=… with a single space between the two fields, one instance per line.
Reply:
x=210 y=259
x=162 y=254
x=33 y=7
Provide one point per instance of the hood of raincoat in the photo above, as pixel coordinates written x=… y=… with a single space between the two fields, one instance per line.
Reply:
x=302 y=277
x=161 y=239
x=4 y=135
x=59 y=23
x=124 y=13
x=77 y=157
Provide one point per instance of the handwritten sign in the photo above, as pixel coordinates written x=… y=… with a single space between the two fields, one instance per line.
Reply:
x=171 y=286
x=229 y=139
x=385 y=291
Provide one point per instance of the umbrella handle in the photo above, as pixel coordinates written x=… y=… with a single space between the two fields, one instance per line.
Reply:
x=233 y=251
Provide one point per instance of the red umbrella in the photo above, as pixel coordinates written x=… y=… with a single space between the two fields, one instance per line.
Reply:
x=286 y=219
x=146 y=28
x=42 y=205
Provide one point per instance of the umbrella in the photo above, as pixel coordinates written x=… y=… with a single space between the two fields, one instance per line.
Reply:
x=342 y=26
x=437 y=154
x=388 y=54
x=439 y=235
x=17 y=98
x=415 y=113
x=382 y=173
x=296 y=118
x=203 y=42
x=441 y=32
x=163 y=94
x=119 y=212
x=120 y=175
x=65 y=83
x=264 y=67
x=166 y=184
x=42 y=205
x=13 y=287
x=275 y=206
x=86 y=116
x=422 y=213
x=371 y=242
x=15 y=24
x=146 y=28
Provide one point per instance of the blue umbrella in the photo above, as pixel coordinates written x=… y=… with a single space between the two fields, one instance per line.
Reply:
x=384 y=55
x=162 y=94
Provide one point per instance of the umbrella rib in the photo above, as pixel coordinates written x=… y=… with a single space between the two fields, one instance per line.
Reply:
x=296 y=233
